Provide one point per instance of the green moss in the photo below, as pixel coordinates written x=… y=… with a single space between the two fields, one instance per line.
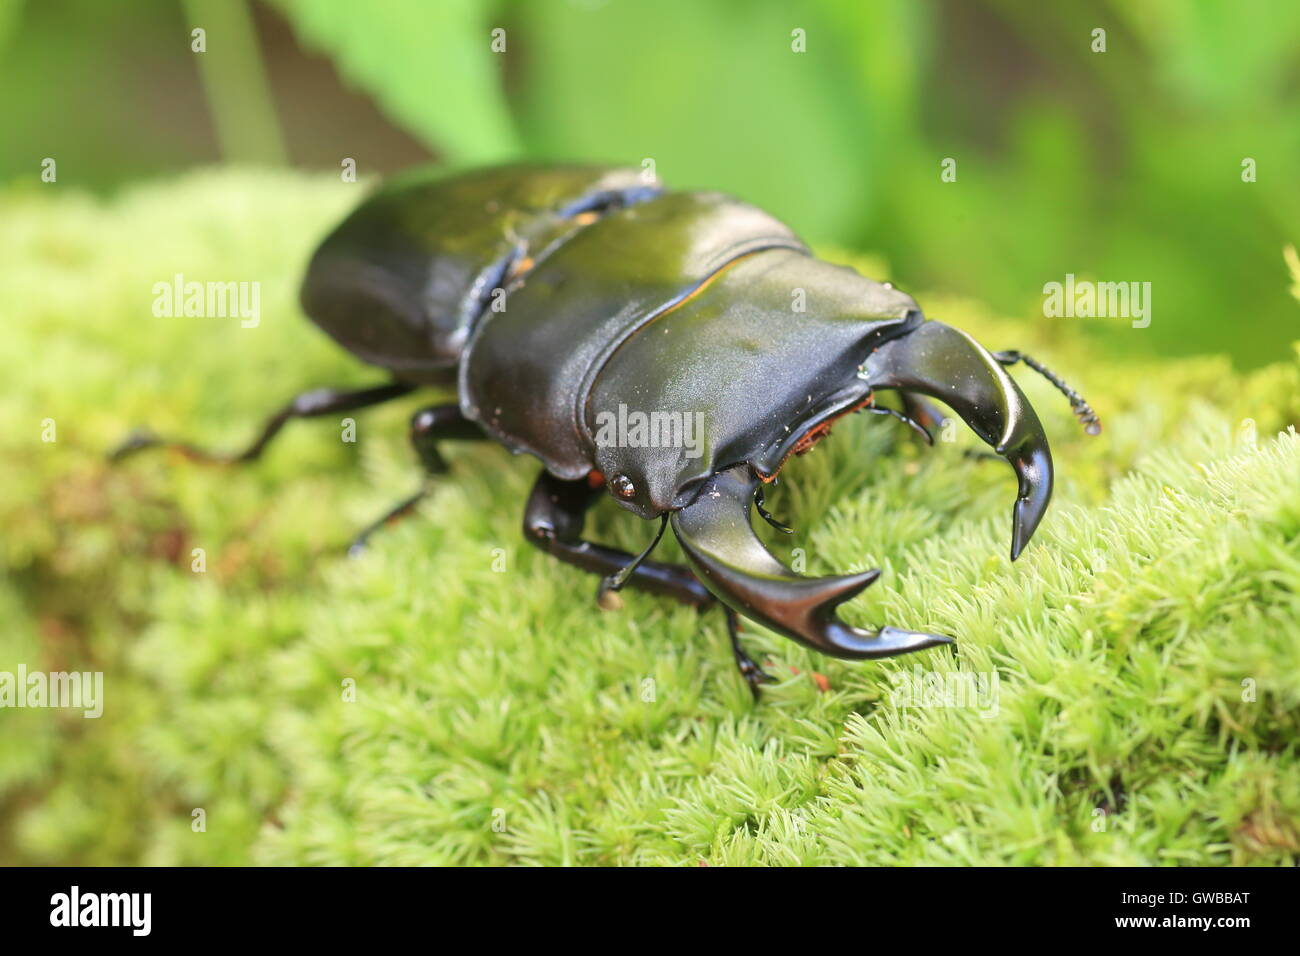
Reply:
x=499 y=716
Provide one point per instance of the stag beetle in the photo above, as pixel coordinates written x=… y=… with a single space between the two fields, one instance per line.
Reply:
x=555 y=297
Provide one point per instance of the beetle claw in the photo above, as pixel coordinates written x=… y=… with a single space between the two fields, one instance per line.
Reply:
x=716 y=535
x=755 y=677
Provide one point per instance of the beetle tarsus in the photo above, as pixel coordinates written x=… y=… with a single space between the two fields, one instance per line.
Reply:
x=311 y=404
x=138 y=440
x=749 y=669
x=392 y=516
x=428 y=426
x=142 y=440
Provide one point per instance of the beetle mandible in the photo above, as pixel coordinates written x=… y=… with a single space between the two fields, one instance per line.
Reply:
x=555 y=297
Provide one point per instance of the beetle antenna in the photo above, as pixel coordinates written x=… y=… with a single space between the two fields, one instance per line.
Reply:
x=775 y=523
x=615 y=582
x=1082 y=410
x=906 y=420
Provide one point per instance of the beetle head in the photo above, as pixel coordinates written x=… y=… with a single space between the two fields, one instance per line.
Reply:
x=764 y=384
x=916 y=356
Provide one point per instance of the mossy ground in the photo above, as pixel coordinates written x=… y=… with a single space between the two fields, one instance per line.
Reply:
x=1146 y=645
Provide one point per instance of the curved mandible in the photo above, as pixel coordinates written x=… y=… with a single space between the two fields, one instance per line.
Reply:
x=716 y=534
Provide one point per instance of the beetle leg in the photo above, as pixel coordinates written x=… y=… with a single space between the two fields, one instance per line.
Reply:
x=754 y=675
x=395 y=514
x=317 y=402
x=553 y=521
x=428 y=427
x=716 y=534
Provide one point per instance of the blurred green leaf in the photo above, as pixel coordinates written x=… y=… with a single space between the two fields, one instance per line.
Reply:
x=715 y=94
x=1218 y=55
x=428 y=65
x=10 y=11
x=234 y=80
x=1123 y=165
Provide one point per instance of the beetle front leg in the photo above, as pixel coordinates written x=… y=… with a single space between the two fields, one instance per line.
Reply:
x=428 y=427
x=754 y=675
x=553 y=522
x=317 y=402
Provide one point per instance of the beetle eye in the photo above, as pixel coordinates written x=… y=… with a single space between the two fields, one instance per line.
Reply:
x=622 y=486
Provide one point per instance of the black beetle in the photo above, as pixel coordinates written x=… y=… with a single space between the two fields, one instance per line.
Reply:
x=557 y=299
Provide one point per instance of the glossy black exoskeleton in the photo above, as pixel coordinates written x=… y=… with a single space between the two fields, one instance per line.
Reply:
x=563 y=303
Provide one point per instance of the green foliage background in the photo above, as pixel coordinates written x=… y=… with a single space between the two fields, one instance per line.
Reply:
x=1166 y=574
x=1117 y=166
